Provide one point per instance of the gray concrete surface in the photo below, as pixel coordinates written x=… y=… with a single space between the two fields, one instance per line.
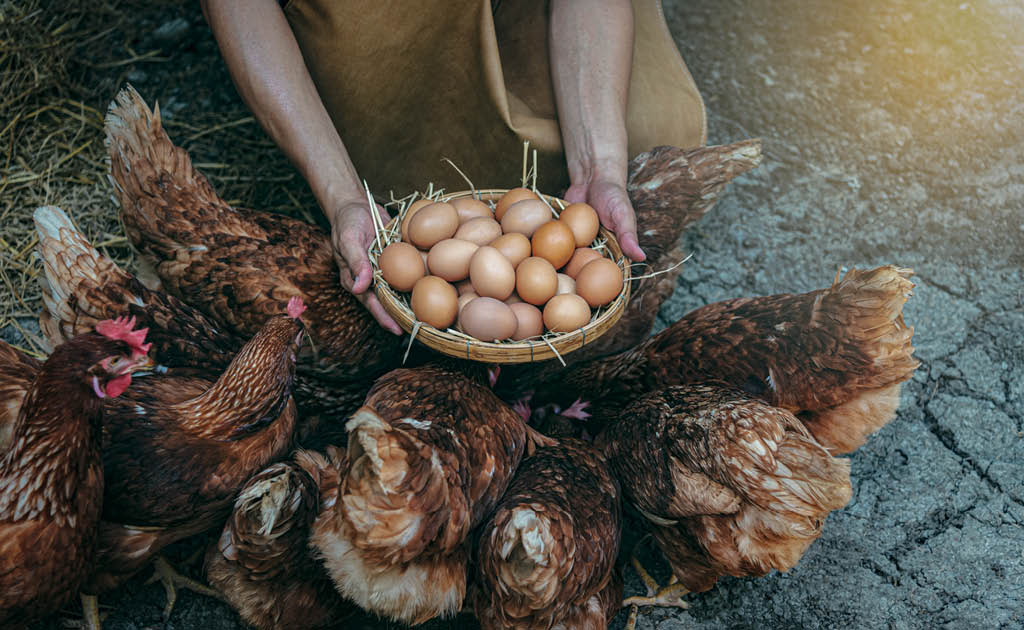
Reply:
x=893 y=133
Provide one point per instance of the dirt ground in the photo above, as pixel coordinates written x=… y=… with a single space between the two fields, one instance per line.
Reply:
x=893 y=133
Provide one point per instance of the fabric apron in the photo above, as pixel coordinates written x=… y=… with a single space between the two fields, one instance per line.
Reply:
x=408 y=83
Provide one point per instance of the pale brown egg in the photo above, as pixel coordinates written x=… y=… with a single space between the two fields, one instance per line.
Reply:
x=511 y=197
x=553 y=242
x=432 y=224
x=565 y=284
x=525 y=217
x=466 y=298
x=469 y=208
x=529 y=321
x=513 y=299
x=599 y=282
x=414 y=207
x=401 y=266
x=434 y=302
x=514 y=246
x=581 y=257
x=566 y=312
x=464 y=287
x=492 y=274
x=487 y=319
x=536 y=280
x=423 y=257
x=582 y=219
x=449 y=259
x=480 y=230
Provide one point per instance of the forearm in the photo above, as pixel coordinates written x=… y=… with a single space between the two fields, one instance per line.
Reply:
x=267 y=68
x=591 y=46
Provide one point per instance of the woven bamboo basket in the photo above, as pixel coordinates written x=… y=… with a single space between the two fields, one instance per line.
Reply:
x=457 y=344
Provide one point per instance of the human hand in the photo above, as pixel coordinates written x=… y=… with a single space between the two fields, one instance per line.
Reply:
x=352 y=231
x=609 y=198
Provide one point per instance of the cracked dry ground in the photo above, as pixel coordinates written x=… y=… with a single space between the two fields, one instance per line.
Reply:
x=893 y=134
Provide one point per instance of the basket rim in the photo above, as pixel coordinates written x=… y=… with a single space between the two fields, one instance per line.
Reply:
x=460 y=345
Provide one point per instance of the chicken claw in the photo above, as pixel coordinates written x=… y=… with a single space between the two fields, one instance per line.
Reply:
x=669 y=596
x=91 y=617
x=171 y=580
x=575 y=410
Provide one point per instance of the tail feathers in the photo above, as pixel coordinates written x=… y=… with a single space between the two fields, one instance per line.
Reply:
x=74 y=273
x=844 y=428
x=166 y=205
x=866 y=310
x=396 y=496
x=528 y=559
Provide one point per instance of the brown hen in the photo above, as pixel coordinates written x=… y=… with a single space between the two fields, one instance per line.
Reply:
x=429 y=454
x=729 y=485
x=241 y=266
x=263 y=564
x=548 y=552
x=835 y=356
x=51 y=472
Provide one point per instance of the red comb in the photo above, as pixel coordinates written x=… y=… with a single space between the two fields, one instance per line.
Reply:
x=296 y=307
x=121 y=330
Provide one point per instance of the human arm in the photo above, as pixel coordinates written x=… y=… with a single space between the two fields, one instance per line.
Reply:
x=267 y=68
x=591 y=46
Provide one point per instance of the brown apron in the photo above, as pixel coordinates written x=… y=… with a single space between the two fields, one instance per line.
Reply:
x=410 y=83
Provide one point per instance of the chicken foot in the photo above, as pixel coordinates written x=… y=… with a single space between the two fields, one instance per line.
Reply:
x=669 y=596
x=91 y=617
x=172 y=580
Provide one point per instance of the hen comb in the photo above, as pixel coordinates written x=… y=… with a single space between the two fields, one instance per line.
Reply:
x=296 y=307
x=121 y=329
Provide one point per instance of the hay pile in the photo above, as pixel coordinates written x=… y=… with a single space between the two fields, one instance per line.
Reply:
x=60 y=65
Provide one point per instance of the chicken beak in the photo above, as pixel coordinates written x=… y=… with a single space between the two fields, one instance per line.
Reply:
x=140 y=363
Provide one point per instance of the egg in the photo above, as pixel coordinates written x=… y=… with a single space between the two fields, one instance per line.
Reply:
x=525 y=217
x=599 y=281
x=480 y=230
x=433 y=223
x=554 y=242
x=449 y=259
x=579 y=258
x=513 y=299
x=582 y=219
x=514 y=246
x=487 y=319
x=414 y=207
x=565 y=284
x=511 y=197
x=529 y=321
x=536 y=280
x=491 y=273
x=434 y=302
x=566 y=312
x=466 y=298
x=464 y=287
x=469 y=208
x=401 y=266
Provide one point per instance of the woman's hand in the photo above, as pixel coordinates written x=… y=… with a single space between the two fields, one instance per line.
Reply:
x=608 y=196
x=352 y=232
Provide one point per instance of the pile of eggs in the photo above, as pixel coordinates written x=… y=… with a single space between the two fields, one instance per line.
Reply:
x=511 y=273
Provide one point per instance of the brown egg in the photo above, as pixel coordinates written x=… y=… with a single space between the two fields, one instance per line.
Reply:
x=513 y=299
x=414 y=207
x=565 y=313
x=529 y=321
x=401 y=266
x=565 y=284
x=423 y=257
x=464 y=287
x=511 y=197
x=449 y=259
x=582 y=220
x=481 y=230
x=599 y=281
x=491 y=273
x=469 y=208
x=487 y=319
x=581 y=257
x=553 y=242
x=434 y=302
x=432 y=224
x=525 y=217
x=536 y=280
x=465 y=299
x=514 y=246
